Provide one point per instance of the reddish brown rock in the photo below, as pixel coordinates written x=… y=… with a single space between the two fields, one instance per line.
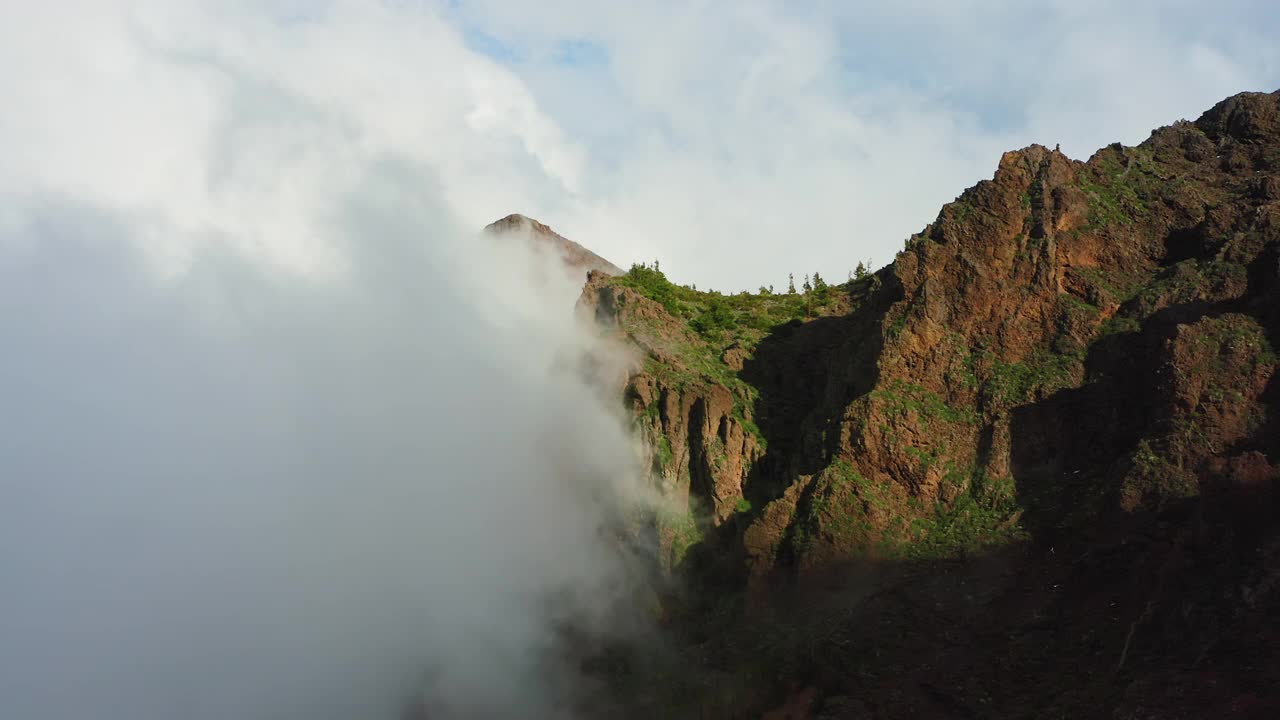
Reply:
x=1036 y=456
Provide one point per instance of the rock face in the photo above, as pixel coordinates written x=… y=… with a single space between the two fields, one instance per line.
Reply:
x=1033 y=462
x=539 y=236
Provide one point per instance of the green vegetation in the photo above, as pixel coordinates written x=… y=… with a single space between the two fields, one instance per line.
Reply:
x=895 y=328
x=1118 y=193
x=903 y=397
x=1268 y=356
x=1120 y=287
x=651 y=412
x=1154 y=479
x=749 y=426
x=839 y=509
x=1230 y=349
x=682 y=530
x=1234 y=334
x=1074 y=307
x=914 y=241
x=743 y=505
x=1035 y=193
x=983 y=513
x=925 y=458
x=663 y=455
x=973 y=512
x=726 y=322
x=1042 y=372
x=960 y=209
x=1223 y=354
x=743 y=317
x=1188 y=281
x=1119 y=325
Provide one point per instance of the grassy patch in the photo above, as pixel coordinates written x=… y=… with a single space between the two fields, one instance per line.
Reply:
x=973 y=512
x=1041 y=373
x=1155 y=479
x=1073 y=306
x=663 y=456
x=838 y=512
x=1117 y=285
x=1118 y=193
x=742 y=317
x=1119 y=325
x=681 y=531
x=720 y=322
x=748 y=426
x=1188 y=281
x=984 y=513
x=903 y=397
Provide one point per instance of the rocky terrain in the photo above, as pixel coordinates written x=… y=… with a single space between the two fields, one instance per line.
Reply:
x=1029 y=469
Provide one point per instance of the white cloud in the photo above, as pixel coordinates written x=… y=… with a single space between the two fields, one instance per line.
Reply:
x=230 y=123
x=748 y=139
x=283 y=438
x=736 y=141
x=246 y=493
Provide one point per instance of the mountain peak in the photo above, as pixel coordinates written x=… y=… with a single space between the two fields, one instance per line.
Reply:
x=541 y=236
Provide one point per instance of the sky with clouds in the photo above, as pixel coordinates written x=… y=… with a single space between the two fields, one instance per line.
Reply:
x=735 y=141
x=741 y=140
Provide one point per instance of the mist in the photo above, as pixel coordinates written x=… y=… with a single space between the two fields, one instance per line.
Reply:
x=240 y=491
x=283 y=436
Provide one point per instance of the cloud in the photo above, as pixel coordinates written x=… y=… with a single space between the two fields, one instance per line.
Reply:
x=735 y=141
x=240 y=494
x=739 y=141
x=236 y=123
x=284 y=439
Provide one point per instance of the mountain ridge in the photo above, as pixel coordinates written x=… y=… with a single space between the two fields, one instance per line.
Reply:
x=1058 y=401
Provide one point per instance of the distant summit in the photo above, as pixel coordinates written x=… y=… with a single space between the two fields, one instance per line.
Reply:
x=541 y=236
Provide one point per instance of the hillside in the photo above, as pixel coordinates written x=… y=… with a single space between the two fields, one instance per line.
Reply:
x=1028 y=469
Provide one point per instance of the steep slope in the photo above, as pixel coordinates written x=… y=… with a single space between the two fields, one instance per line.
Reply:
x=1029 y=469
x=543 y=238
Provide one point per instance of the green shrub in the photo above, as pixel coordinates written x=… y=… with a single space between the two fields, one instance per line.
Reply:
x=984 y=514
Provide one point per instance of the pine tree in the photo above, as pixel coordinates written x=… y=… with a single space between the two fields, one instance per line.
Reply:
x=791 y=284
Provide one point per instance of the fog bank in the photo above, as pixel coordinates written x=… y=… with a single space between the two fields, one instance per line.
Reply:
x=282 y=437
x=239 y=492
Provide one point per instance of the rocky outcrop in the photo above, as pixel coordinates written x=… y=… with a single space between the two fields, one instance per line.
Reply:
x=1071 y=370
x=695 y=428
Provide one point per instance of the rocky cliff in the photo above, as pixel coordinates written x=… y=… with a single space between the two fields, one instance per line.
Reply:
x=1028 y=469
